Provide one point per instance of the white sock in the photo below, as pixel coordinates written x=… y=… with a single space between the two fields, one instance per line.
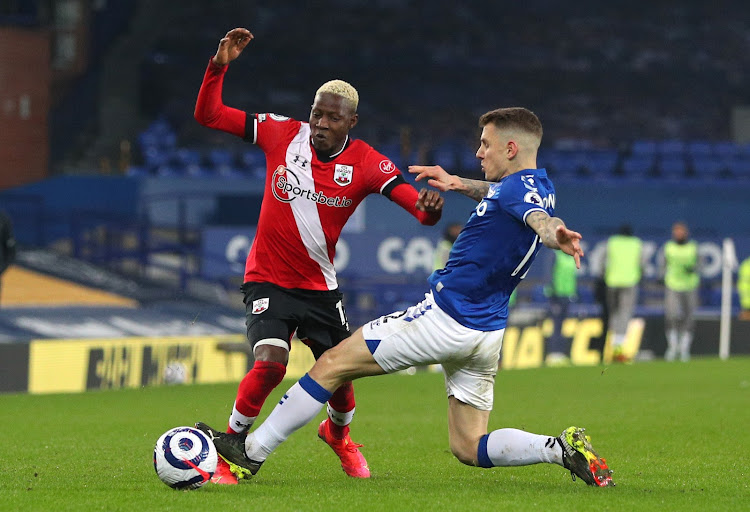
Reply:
x=296 y=409
x=686 y=339
x=619 y=340
x=341 y=419
x=513 y=447
x=672 y=345
x=238 y=422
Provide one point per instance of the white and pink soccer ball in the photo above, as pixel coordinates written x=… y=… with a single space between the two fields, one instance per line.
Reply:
x=185 y=458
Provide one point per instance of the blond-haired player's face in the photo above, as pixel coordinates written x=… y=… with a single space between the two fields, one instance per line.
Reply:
x=331 y=118
x=493 y=153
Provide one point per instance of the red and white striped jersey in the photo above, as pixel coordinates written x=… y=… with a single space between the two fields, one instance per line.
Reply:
x=306 y=202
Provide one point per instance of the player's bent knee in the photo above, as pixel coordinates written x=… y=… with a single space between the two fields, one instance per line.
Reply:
x=271 y=349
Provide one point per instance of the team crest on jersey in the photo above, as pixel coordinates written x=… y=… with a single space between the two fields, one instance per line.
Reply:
x=342 y=174
x=387 y=166
x=260 y=305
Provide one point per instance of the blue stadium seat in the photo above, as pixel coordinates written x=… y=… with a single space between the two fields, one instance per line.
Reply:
x=643 y=147
x=739 y=167
x=700 y=148
x=155 y=156
x=670 y=147
x=468 y=161
x=566 y=164
x=671 y=167
x=637 y=166
x=221 y=157
x=253 y=162
x=136 y=171
x=601 y=163
x=393 y=151
x=726 y=149
x=707 y=167
x=445 y=156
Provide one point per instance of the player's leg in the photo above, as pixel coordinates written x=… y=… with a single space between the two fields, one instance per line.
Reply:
x=335 y=431
x=689 y=303
x=324 y=326
x=671 y=317
x=268 y=331
x=349 y=360
x=472 y=445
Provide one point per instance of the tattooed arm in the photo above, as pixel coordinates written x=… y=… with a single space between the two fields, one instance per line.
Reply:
x=441 y=180
x=553 y=234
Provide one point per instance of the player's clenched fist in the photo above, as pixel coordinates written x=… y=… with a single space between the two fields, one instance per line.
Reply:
x=232 y=45
x=429 y=201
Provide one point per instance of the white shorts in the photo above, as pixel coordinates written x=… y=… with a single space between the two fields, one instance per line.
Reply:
x=424 y=334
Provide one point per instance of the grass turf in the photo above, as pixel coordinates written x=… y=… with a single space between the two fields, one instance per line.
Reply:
x=675 y=434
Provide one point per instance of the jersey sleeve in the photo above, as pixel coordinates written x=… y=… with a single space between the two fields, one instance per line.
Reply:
x=210 y=111
x=520 y=199
x=382 y=174
x=269 y=130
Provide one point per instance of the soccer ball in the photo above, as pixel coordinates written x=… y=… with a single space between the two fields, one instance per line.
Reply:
x=185 y=458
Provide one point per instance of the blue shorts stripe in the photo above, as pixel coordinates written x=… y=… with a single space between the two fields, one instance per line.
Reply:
x=372 y=345
x=314 y=389
x=482 y=456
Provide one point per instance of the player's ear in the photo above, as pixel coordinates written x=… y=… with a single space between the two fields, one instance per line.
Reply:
x=511 y=149
x=353 y=121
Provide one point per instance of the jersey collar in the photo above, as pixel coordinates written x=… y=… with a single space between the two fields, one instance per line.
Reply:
x=331 y=157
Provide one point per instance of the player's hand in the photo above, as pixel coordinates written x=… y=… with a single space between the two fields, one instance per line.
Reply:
x=429 y=201
x=568 y=240
x=437 y=176
x=232 y=45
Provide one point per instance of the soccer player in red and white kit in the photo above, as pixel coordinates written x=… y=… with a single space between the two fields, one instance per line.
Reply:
x=316 y=175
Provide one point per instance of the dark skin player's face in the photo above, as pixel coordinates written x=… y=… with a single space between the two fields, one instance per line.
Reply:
x=331 y=118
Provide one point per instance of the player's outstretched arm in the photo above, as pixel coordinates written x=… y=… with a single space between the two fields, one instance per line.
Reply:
x=440 y=179
x=231 y=46
x=210 y=111
x=553 y=234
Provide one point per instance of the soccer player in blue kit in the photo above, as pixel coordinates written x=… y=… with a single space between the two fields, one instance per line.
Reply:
x=461 y=322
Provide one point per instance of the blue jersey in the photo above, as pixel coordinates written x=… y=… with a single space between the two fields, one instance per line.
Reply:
x=493 y=252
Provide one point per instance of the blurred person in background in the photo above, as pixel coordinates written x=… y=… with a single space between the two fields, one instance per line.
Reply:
x=445 y=245
x=681 y=280
x=622 y=273
x=561 y=291
x=316 y=176
x=7 y=245
x=743 y=288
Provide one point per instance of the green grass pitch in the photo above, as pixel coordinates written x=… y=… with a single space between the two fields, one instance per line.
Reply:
x=675 y=435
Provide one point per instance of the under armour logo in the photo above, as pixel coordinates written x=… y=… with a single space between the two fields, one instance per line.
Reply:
x=300 y=160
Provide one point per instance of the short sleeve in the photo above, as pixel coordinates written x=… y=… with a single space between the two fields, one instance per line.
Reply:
x=380 y=171
x=519 y=199
x=268 y=130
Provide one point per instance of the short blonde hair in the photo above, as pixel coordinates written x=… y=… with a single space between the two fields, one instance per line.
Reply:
x=341 y=88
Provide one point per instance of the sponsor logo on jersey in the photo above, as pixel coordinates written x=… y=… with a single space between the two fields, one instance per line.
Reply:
x=342 y=174
x=286 y=188
x=261 y=117
x=277 y=117
x=300 y=160
x=533 y=198
x=387 y=166
x=545 y=202
x=260 y=305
